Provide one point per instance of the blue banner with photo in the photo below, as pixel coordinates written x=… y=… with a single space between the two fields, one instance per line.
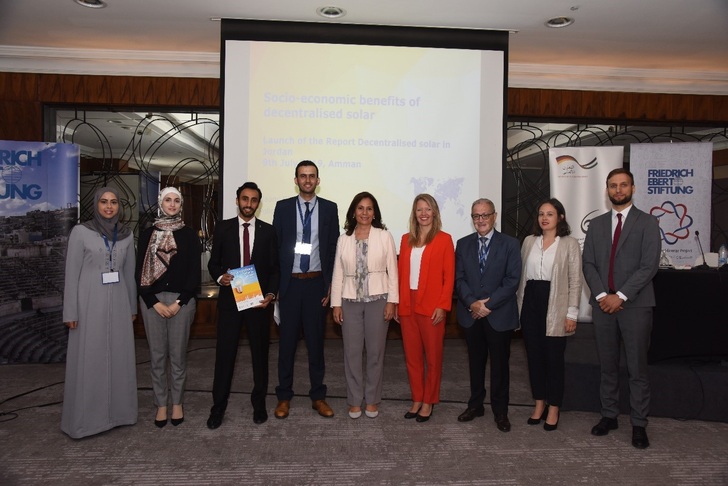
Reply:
x=38 y=208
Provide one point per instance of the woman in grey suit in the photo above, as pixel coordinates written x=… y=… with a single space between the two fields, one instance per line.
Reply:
x=548 y=299
x=168 y=274
x=364 y=291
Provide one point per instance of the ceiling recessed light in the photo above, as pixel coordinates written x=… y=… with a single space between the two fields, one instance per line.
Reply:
x=559 y=22
x=91 y=3
x=331 y=12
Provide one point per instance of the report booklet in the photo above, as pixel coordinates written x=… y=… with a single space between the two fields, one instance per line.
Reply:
x=246 y=287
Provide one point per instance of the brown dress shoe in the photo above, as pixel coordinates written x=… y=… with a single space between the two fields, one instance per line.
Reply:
x=282 y=409
x=322 y=408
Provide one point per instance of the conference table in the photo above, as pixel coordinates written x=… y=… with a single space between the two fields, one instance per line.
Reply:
x=691 y=314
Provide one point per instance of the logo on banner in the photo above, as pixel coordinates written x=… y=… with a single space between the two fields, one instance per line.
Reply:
x=669 y=181
x=12 y=164
x=586 y=220
x=675 y=222
x=567 y=164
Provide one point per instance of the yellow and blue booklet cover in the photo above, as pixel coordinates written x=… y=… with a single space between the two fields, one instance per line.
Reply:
x=246 y=287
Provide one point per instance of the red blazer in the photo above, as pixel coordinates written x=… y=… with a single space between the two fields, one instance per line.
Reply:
x=437 y=276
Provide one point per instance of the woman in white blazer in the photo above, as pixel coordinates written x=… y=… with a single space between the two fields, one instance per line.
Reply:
x=548 y=299
x=364 y=292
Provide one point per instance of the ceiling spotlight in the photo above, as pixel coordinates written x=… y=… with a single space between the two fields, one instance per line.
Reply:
x=331 y=12
x=91 y=3
x=559 y=22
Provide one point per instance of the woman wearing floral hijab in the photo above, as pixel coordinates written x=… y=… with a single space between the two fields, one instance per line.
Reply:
x=99 y=307
x=168 y=275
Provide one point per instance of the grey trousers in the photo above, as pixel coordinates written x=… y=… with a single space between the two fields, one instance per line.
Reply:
x=364 y=329
x=168 y=339
x=633 y=327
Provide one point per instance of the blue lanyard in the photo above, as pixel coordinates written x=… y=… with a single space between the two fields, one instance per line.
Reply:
x=111 y=249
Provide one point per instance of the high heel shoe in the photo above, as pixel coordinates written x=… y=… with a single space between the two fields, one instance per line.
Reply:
x=177 y=421
x=533 y=421
x=411 y=415
x=160 y=423
x=549 y=427
x=421 y=418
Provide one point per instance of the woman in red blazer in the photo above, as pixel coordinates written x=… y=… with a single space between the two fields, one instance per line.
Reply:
x=426 y=279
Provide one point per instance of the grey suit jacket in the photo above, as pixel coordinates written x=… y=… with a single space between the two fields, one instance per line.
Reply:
x=499 y=281
x=636 y=260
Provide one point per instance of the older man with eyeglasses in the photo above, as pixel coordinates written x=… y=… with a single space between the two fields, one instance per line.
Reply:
x=487 y=272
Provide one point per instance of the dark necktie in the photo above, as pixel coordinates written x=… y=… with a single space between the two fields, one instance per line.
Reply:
x=615 y=241
x=246 y=245
x=482 y=253
x=305 y=259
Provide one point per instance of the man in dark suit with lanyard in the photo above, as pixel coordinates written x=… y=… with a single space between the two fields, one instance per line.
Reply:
x=621 y=257
x=487 y=272
x=308 y=228
x=237 y=242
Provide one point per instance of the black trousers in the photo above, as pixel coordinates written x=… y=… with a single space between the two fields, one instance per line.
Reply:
x=482 y=341
x=229 y=325
x=545 y=354
x=301 y=309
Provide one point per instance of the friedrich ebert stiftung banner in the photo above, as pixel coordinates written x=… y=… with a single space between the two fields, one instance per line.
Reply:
x=673 y=183
x=38 y=208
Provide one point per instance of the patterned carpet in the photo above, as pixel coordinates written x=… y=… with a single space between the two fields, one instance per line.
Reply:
x=308 y=449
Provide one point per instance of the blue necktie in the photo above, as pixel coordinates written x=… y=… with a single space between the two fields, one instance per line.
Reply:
x=482 y=253
x=305 y=259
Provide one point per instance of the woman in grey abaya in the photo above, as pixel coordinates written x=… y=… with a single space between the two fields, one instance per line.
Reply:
x=99 y=306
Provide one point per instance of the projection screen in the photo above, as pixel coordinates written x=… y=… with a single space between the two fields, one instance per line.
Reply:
x=395 y=111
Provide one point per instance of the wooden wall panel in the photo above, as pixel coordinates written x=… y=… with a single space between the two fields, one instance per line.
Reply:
x=24 y=95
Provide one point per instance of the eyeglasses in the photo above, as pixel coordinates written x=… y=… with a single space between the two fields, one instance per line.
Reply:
x=483 y=216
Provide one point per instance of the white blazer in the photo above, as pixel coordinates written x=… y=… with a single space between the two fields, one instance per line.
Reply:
x=381 y=263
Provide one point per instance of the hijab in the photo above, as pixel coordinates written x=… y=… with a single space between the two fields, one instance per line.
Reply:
x=106 y=226
x=162 y=245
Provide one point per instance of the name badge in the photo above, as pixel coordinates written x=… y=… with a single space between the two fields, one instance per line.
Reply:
x=302 y=248
x=109 y=278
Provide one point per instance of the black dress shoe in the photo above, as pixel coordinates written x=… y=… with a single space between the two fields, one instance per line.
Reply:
x=178 y=421
x=160 y=423
x=215 y=419
x=260 y=416
x=470 y=413
x=502 y=422
x=421 y=418
x=639 y=437
x=604 y=426
x=533 y=421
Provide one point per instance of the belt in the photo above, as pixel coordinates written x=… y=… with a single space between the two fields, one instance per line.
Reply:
x=612 y=291
x=307 y=275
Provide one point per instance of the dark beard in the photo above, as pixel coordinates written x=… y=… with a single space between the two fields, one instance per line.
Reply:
x=616 y=202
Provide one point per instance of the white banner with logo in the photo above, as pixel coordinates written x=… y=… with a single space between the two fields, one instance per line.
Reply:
x=673 y=183
x=578 y=179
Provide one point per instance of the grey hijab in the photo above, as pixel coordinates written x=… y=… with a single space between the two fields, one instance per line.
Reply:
x=105 y=226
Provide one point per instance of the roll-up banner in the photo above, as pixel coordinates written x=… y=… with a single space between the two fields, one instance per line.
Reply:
x=38 y=208
x=673 y=183
x=578 y=179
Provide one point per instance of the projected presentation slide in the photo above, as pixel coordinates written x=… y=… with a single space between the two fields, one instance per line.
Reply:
x=394 y=121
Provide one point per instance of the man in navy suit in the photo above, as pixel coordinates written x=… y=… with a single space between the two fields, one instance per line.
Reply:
x=487 y=272
x=230 y=250
x=308 y=229
x=621 y=257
